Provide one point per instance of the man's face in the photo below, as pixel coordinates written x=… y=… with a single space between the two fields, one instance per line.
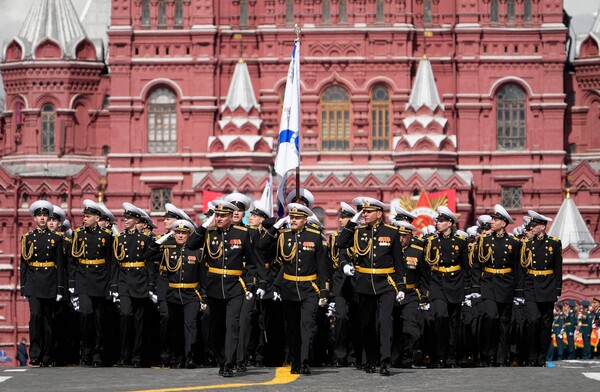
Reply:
x=595 y=304
x=498 y=225
x=343 y=219
x=297 y=223
x=223 y=221
x=405 y=239
x=41 y=220
x=130 y=222
x=537 y=229
x=442 y=225
x=255 y=220
x=181 y=237
x=168 y=222
x=141 y=226
x=90 y=220
x=103 y=223
x=237 y=217
x=372 y=216
x=53 y=224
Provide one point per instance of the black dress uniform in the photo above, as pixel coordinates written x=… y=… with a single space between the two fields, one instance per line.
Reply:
x=448 y=257
x=301 y=281
x=494 y=276
x=42 y=268
x=541 y=260
x=379 y=277
x=89 y=277
x=133 y=278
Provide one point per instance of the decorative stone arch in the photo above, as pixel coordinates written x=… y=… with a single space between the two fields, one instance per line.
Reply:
x=498 y=84
x=46 y=99
x=14 y=51
x=371 y=83
x=589 y=47
x=85 y=50
x=334 y=80
x=48 y=48
x=158 y=82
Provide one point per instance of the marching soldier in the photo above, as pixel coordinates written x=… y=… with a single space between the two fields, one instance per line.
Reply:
x=347 y=342
x=107 y=219
x=447 y=255
x=541 y=260
x=89 y=277
x=587 y=320
x=132 y=284
x=226 y=247
x=42 y=266
x=416 y=285
x=379 y=279
x=494 y=278
x=301 y=282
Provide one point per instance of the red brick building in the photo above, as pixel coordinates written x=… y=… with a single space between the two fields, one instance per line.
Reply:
x=162 y=109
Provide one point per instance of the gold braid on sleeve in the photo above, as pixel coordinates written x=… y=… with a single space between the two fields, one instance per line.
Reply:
x=483 y=258
x=74 y=251
x=356 y=249
x=334 y=254
x=431 y=260
x=167 y=260
x=281 y=255
x=26 y=253
x=526 y=256
x=213 y=255
x=471 y=254
x=118 y=250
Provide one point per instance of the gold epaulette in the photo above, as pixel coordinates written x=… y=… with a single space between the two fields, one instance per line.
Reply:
x=431 y=237
x=525 y=240
x=117 y=235
x=483 y=235
x=555 y=239
x=68 y=239
x=107 y=231
x=57 y=233
x=285 y=230
x=361 y=227
x=26 y=234
x=390 y=226
x=313 y=231
x=158 y=236
x=79 y=229
x=211 y=228
x=333 y=235
x=460 y=236
x=325 y=244
x=244 y=228
x=416 y=247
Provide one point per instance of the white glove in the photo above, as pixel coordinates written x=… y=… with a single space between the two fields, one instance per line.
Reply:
x=260 y=293
x=357 y=217
x=75 y=303
x=115 y=296
x=475 y=295
x=467 y=302
x=249 y=296
x=209 y=221
x=165 y=237
x=276 y=296
x=400 y=296
x=72 y=290
x=58 y=297
x=322 y=302
x=424 y=306
x=153 y=297
x=281 y=222
x=519 y=301
x=349 y=270
x=331 y=310
x=203 y=306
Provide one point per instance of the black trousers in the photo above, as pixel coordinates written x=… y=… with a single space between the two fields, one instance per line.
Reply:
x=41 y=316
x=271 y=349
x=377 y=325
x=183 y=323
x=132 y=314
x=163 y=310
x=224 y=328
x=246 y=315
x=347 y=345
x=406 y=333
x=92 y=311
x=495 y=331
x=300 y=319
x=539 y=329
x=446 y=326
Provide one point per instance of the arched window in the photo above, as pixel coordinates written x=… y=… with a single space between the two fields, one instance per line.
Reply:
x=335 y=119
x=289 y=11
x=179 y=13
x=510 y=11
x=380 y=118
x=427 y=19
x=326 y=11
x=243 y=12
x=343 y=11
x=379 y=12
x=162 y=121
x=146 y=13
x=494 y=11
x=510 y=118
x=162 y=12
x=527 y=11
x=48 y=126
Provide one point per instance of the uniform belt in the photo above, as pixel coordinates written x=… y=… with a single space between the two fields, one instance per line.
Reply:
x=498 y=271
x=540 y=272
x=183 y=285
x=266 y=265
x=411 y=286
x=445 y=270
x=92 y=262
x=133 y=264
x=295 y=278
x=375 y=271
x=42 y=264
x=225 y=272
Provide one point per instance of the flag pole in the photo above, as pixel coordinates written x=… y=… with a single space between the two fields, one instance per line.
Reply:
x=297 y=31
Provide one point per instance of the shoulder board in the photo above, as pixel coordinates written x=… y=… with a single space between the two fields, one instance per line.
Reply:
x=483 y=235
x=68 y=239
x=107 y=231
x=460 y=236
x=416 y=247
x=58 y=233
x=335 y=234
x=79 y=229
x=361 y=227
x=211 y=228
x=158 y=236
x=169 y=246
x=525 y=240
x=286 y=230
x=432 y=237
x=26 y=234
x=117 y=235
x=390 y=226
x=243 y=228
x=313 y=231
x=555 y=239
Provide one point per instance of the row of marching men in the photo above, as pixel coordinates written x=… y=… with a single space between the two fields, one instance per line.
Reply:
x=393 y=297
x=575 y=330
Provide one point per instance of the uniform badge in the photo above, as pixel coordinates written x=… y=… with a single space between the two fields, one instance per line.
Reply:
x=103 y=241
x=509 y=247
x=456 y=247
x=52 y=242
x=142 y=244
x=308 y=245
x=385 y=241
x=550 y=249
x=192 y=259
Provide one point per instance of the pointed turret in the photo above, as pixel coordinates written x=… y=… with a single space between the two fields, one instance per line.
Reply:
x=241 y=106
x=570 y=227
x=424 y=104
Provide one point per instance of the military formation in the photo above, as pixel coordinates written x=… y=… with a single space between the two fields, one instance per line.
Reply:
x=374 y=295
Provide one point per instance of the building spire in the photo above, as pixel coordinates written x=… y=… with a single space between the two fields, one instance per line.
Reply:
x=424 y=92
x=570 y=227
x=241 y=92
